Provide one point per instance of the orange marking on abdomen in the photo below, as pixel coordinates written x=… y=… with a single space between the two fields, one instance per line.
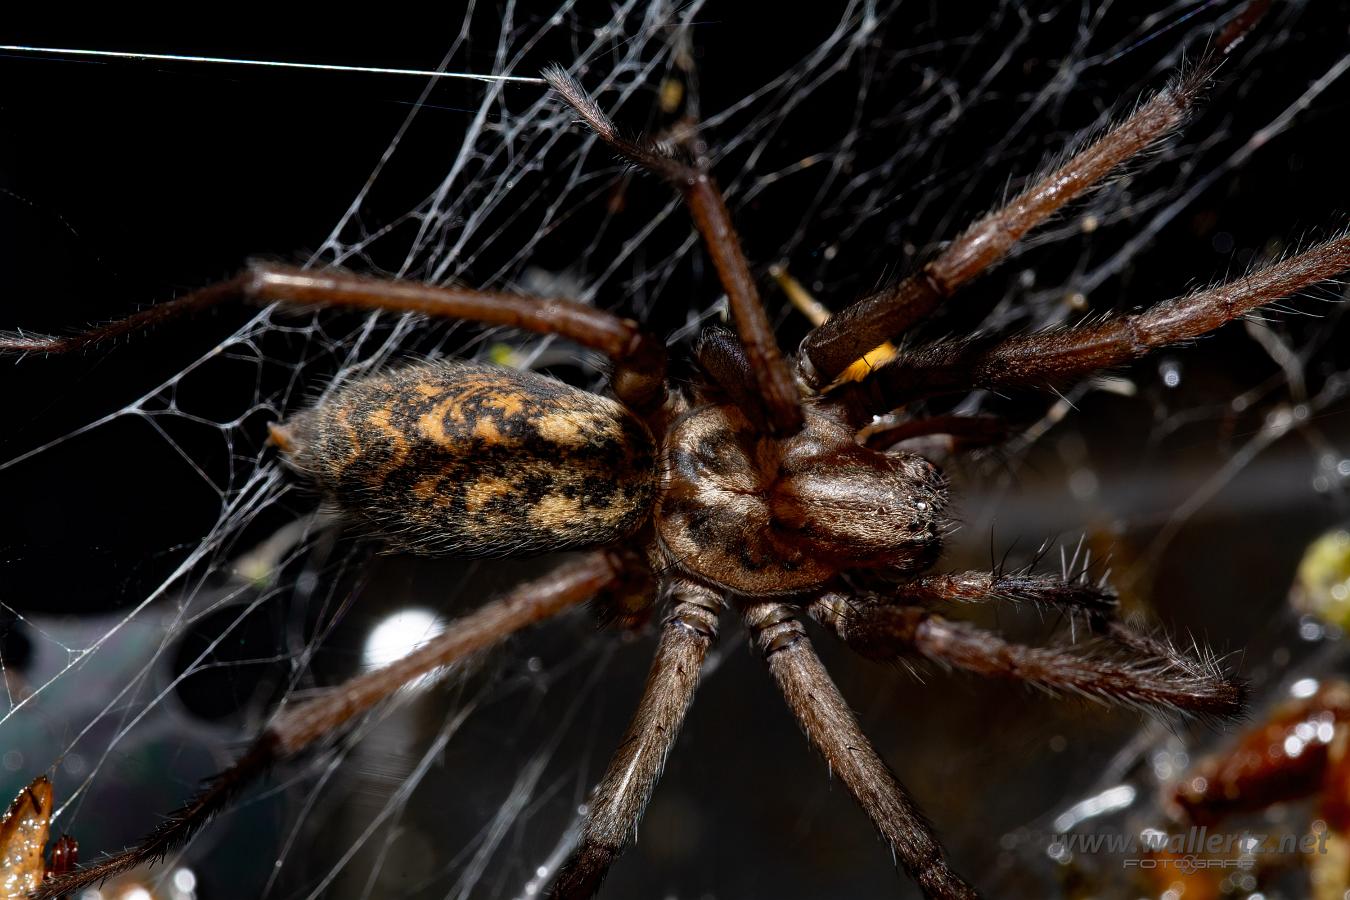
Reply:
x=398 y=441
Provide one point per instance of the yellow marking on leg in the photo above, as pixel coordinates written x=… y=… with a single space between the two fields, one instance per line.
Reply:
x=818 y=314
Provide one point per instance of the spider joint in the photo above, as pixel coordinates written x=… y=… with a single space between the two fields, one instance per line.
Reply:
x=773 y=627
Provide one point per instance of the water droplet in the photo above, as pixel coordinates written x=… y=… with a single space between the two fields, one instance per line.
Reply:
x=1170 y=371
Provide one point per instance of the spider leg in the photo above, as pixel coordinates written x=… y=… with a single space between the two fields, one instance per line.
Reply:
x=975 y=587
x=296 y=728
x=833 y=731
x=639 y=358
x=830 y=349
x=623 y=793
x=773 y=376
x=1133 y=671
x=834 y=346
x=1052 y=358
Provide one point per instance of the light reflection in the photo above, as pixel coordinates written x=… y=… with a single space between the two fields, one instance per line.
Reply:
x=400 y=634
x=1304 y=688
x=1107 y=801
x=1170 y=370
x=184 y=882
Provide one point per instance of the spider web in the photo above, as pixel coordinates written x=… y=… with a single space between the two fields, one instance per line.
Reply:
x=167 y=584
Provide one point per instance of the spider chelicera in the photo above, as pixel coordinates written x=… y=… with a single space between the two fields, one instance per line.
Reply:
x=748 y=489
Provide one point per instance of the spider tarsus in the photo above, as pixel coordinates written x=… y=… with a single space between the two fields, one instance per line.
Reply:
x=16 y=343
x=581 y=876
x=1219 y=697
x=642 y=153
x=567 y=87
x=177 y=828
x=938 y=881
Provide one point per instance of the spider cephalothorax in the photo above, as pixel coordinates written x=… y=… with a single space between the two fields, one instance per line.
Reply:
x=752 y=489
x=760 y=516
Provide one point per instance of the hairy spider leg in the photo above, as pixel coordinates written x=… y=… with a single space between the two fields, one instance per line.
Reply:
x=831 y=348
x=1051 y=358
x=1152 y=676
x=778 y=393
x=296 y=728
x=1098 y=603
x=639 y=358
x=831 y=728
x=619 y=800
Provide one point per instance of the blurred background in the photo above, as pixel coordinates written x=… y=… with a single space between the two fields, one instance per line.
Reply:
x=164 y=586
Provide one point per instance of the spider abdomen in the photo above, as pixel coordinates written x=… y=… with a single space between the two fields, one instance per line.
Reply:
x=463 y=458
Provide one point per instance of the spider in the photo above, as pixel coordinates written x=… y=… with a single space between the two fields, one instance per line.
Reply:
x=746 y=490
